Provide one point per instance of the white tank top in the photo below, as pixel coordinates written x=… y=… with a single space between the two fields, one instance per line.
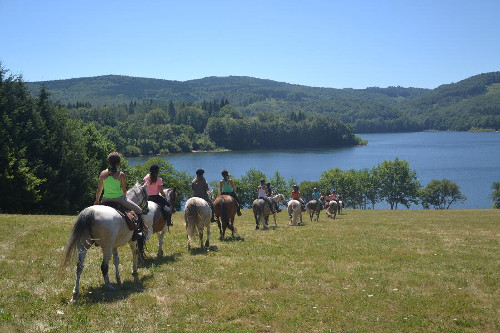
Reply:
x=262 y=192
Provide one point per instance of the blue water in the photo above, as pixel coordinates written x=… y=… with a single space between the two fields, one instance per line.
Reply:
x=471 y=160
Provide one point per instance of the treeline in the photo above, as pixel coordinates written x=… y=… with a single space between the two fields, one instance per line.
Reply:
x=156 y=127
x=469 y=104
x=390 y=182
x=48 y=161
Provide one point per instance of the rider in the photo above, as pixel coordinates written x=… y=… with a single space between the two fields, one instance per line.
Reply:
x=155 y=190
x=226 y=186
x=262 y=194
x=200 y=189
x=316 y=195
x=270 y=195
x=296 y=196
x=114 y=185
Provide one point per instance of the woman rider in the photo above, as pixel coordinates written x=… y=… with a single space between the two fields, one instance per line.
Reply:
x=295 y=194
x=155 y=190
x=114 y=185
x=262 y=194
x=226 y=186
x=200 y=189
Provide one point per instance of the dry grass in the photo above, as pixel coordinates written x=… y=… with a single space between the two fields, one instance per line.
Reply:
x=368 y=271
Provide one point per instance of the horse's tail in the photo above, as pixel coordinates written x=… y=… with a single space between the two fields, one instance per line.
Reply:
x=223 y=212
x=191 y=213
x=81 y=230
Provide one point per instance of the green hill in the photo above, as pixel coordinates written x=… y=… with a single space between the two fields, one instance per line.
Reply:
x=470 y=103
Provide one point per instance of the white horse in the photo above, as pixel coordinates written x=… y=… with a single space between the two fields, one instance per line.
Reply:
x=261 y=210
x=160 y=224
x=197 y=215
x=294 y=212
x=331 y=209
x=103 y=226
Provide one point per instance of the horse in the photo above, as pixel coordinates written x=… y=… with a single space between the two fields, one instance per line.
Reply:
x=160 y=223
x=340 y=205
x=331 y=209
x=225 y=208
x=294 y=212
x=314 y=207
x=104 y=226
x=261 y=211
x=197 y=215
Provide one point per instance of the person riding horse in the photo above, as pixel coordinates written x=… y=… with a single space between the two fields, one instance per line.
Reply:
x=295 y=194
x=262 y=194
x=155 y=190
x=226 y=186
x=200 y=189
x=114 y=185
x=316 y=195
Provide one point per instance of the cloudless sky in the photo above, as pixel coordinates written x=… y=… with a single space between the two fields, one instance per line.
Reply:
x=330 y=43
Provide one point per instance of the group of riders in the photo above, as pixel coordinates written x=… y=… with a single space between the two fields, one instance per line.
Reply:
x=113 y=183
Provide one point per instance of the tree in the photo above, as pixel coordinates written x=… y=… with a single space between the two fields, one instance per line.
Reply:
x=441 y=194
x=496 y=195
x=246 y=188
x=398 y=184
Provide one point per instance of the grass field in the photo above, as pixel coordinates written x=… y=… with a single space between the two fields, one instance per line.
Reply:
x=367 y=271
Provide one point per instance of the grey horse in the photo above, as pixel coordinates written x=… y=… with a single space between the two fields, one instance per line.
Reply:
x=314 y=207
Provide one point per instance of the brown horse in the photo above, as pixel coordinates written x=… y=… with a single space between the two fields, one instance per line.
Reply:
x=225 y=207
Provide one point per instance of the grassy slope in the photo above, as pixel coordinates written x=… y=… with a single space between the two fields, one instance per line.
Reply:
x=406 y=270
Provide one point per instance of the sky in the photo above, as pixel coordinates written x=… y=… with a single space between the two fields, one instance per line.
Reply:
x=330 y=43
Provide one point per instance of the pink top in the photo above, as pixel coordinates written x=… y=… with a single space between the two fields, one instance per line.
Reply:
x=153 y=189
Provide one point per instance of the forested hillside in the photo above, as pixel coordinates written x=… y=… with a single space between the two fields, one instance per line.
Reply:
x=473 y=103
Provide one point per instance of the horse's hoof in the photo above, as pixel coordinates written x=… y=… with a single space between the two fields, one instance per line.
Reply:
x=207 y=244
x=73 y=298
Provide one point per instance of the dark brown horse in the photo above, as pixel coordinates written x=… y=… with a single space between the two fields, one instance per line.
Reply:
x=225 y=207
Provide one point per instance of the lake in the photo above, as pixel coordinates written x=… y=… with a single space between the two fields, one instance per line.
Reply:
x=469 y=159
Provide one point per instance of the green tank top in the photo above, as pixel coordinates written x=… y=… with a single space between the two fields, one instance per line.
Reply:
x=112 y=188
x=226 y=188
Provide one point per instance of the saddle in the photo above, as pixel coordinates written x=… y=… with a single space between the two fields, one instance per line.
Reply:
x=129 y=216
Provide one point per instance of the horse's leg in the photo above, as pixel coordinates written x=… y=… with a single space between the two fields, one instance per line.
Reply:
x=106 y=255
x=256 y=221
x=79 y=269
x=161 y=235
x=116 y=261
x=135 y=259
x=207 y=243
x=274 y=217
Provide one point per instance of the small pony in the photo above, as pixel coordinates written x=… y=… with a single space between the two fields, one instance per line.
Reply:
x=197 y=215
x=225 y=208
x=294 y=212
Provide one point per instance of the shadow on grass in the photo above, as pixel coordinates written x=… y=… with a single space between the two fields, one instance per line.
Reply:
x=102 y=294
x=233 y=239
x=197 y=251
x=157 y=261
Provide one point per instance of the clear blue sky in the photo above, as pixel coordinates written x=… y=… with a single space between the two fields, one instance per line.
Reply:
x=330 y=43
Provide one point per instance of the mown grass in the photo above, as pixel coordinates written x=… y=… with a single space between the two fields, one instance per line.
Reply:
x=367 y=271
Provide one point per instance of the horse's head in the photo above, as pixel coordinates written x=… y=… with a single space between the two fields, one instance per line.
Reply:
x=139 y=195
x=280 y=198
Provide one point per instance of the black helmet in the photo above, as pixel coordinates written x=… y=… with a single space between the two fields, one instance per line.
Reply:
x=262 y=181
x=154 y=168
x=225 y=173
x=114 y=158
x=200 y=172
x=295 y=186
x=315 y=188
